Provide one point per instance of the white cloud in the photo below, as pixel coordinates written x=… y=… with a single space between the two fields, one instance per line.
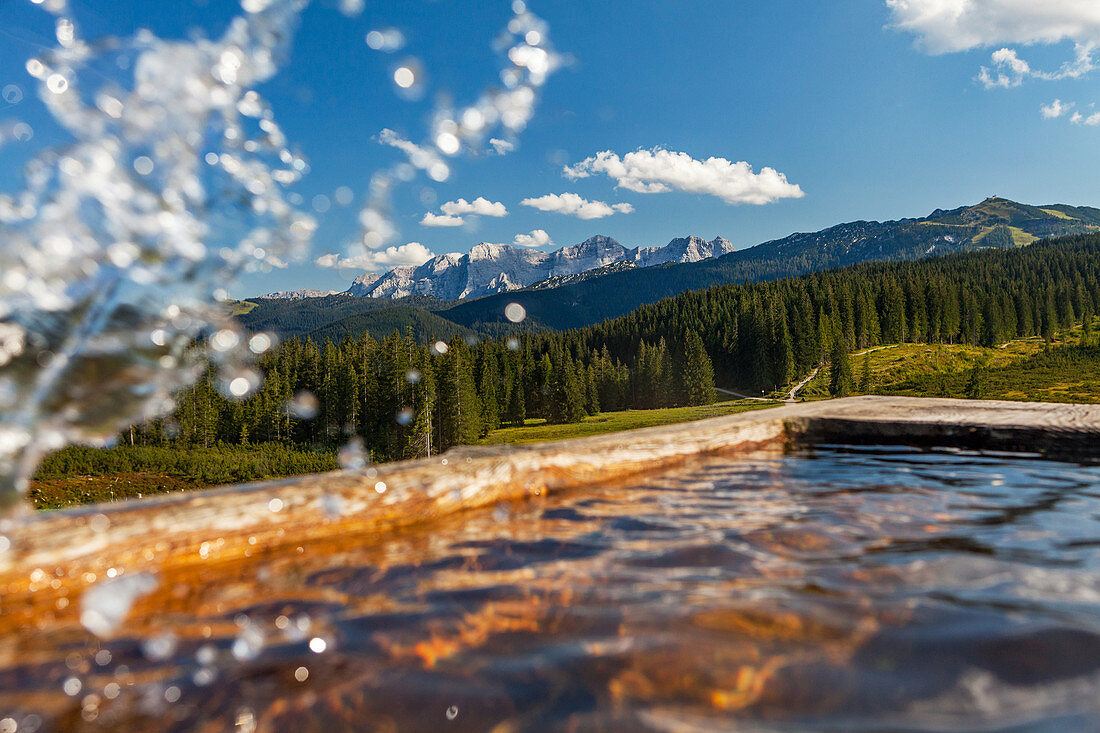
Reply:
x=659 y=171
x=945 y=26
x=501 y=147
x=1009 y=70
x=413 y=253
x=574 y=205
x=438 y=220
x=480 y=206
x=537 y=238
x=1055 y=109
x=1079 y=119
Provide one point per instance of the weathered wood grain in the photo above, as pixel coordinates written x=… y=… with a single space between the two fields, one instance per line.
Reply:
x=239 y=520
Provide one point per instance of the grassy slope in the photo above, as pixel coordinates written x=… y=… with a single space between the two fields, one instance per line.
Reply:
x=82 y=475
x=537 y=431
x=1026 y=369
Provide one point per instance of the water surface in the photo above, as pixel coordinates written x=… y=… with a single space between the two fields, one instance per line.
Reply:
x=839 y=588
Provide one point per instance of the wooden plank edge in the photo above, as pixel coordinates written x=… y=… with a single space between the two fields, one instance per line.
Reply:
x=236 y=521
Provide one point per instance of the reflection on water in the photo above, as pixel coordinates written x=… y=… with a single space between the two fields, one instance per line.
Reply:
x=839 y=588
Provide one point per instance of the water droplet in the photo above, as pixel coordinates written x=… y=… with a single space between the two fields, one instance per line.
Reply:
x=512 y=344
x=387 y=40
x=405 y=416
x=333 y=506
x=260 y=343
x=304 y=405
x=160 y=647
x=275 y=505
x=248 y=644
x=57 y=83
x=447 y=143
x=12 y=94
x=172 y=694
x=207 y=654
x=237 y=384
x=317 y=645
x=440 y=347
x=225 y=340
x=301 y=674
x=413 y=376
x=452 y=712
x=204 y=676
x=246 y=721
x=72 y=686
x=380 y=487
x=403 y=77
x=352 y=456
x=515 y=312
x=105 y=605
x=143 y=164
x=22 y=132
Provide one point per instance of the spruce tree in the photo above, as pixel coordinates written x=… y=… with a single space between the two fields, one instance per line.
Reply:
x=840 y=370
x=696 y=372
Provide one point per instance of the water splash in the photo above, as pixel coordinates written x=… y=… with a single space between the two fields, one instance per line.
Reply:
x=116 y=255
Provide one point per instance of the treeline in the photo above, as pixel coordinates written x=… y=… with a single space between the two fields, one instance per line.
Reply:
x=761 y=336
x=406 y=400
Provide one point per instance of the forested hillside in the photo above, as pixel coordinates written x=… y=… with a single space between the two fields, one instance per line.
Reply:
x=403 y=399
x=335 y=316
x=592 y=297
x=994 y=223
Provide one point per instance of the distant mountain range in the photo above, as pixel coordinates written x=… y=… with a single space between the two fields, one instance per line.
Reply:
x=599 y=279
x=498 y=268
x=993 y=223
x=297 y=294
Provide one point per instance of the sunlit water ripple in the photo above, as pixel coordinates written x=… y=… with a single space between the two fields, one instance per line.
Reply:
x=839 y=588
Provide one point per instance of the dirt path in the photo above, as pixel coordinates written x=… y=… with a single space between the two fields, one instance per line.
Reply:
x=744 y=396
x=877 y=348
x=792 y=396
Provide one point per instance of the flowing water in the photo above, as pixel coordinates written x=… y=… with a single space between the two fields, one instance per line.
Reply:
x=116 y=256
x=837 y=588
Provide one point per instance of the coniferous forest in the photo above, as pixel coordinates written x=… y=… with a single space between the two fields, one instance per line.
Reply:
x=404 y=399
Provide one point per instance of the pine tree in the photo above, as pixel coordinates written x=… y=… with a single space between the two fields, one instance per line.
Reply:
x=840 y=370
x=696 y=372
x=566 y=392
x=459 y=407
x=489 y=393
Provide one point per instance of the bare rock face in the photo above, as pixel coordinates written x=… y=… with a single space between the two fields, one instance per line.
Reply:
x=497 y=268
x=681 y=250
x=362 y=284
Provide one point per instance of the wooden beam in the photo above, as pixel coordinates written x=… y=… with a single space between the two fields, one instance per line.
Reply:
x=236 y=521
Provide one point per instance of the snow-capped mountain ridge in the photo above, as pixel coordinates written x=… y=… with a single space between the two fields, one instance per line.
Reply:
x=495 y=268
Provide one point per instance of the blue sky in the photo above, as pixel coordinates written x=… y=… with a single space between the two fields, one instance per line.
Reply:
x=867 y=119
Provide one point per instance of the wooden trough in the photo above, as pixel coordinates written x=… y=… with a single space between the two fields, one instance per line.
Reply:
x=237 y=521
